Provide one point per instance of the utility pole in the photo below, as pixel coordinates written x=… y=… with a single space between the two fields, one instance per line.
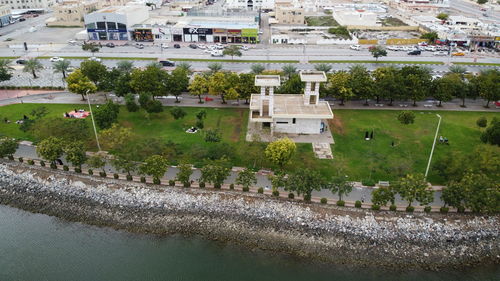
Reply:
x=93 y=122
x=433 y=145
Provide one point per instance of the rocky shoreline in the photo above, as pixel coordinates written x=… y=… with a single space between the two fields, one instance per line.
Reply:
x=316 y=232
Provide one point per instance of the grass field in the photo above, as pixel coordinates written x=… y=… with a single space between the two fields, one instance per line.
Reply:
x=376 y=159
x=321 y=21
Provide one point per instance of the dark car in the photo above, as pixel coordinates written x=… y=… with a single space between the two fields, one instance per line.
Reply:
x=21 y=61
x=166 y=63
x=110 y=45
x=414 y=52
x=22 y=19
x=193 y=46
x=177 y=46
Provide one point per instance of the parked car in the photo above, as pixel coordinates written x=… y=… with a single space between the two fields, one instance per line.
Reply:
x=440 y=53
x=95 y=59
x=177 y=46
x=244 y=48
x=166 y=63
x=139 y=46
x=21 y=61
x=110 y=45
x=217 y=53
x=458 y=54
x=164 y=46
x=355 y=47
x=22 y=19
x=193 y=46
x=414 y=53
x=54 y=59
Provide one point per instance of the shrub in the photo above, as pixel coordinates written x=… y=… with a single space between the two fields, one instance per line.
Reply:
x=157 y=181
x=276 y=193
x=10 y=157
x=375 y=207
x=21 y=159
x=31 y=162
x=444 y=210
x=324 y=200
x=53 y=166
x=231 y=186
x=482 y=122
x=78 y=170
x=461 y=209
x=129 y=177
x=202 y=184
x=91 y=172
x=187 y=184
x=171 y=182
x=393 y=207
x=217 y=185
x=291 y=195
x=427 y=209
x=307 y=198
x=410 y=209
x=116 y=176
x=357 y=204
x=42 y=163
x=246 y=189
x=102 y=174
x=368 y=182
x=143 y=179
x=65 y=168
x=260 y=190
x=341 y=203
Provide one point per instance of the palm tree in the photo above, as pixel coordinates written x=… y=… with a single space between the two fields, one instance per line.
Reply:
x=62 y=67
x=33 y=65
x=185 y=66
x=5 y=64
x=288 y=70
x=125 y=66
x=323 y=67
x=5 y=69
x=232 y=51
x=214 y=67
x=257 y=68
x=458 y=69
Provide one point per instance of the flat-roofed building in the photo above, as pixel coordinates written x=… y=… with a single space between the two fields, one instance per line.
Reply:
x=5 y=15
x=28 y=4
x=290 y=113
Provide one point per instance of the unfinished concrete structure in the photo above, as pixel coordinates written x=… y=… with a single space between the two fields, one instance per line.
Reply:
x=288 y=113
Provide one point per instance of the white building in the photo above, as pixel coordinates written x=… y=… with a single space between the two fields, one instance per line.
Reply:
x=115 y=23
x=288 y=113
x=249 y=4
x=5 y=16
x=28 y=4
x=355 y=17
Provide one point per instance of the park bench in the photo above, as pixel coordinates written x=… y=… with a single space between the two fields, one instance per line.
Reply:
x=379 y=104
x=383 y=183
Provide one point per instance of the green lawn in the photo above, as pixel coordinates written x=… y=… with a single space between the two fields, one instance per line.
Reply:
x=321 y=21
x=375 y=159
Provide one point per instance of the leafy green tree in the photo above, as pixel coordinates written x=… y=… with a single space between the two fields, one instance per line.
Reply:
x=212 y=136
x=377 y=51
x=339 y=86
x=416 y=82
x=155 y=166
x=106 y=114
x=91 y=47
x=246 y=86
x=430 y=36
x=291 y=86
x=184 y=173
x=75 y=153
x=185 y=67
x=125 y=66
x=406 y=117
x=482 y=193
x=280 y=151
x=442 y=16
x=414 y=187
x=64 y=129
x=97 y=161
x=277 y=180
x=122 y=85
x=303 y=182
x=214 y=67
x=33 y=65
x=178 y=82
x=383 y=195
x=361 y=83
x=62 y=67
x=217 y=85
x=94 y=70
x=124 y=162
x=289 y=70
x=116 y=136
x=215 y=172
x=492 y=134
x=177 y=112
x=5 y=70
x=340 y=186
x=446 y=87
x=147 y=103
x=257 y=68
x=50 y=149
x=199 y=86
x=481 y=2
x=130 y=103
x=152 y=80
x=246 y=178
x=482 y=122
x=323 y=67
x=454 y=195
x=8 y=147
x=232 y=51
x=387 y=83
x=80 y=84
x=488 y=84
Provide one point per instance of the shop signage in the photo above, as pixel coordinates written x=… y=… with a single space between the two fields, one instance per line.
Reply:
x=219 y=30
x=197 y=30
x=234 y=31
x=104 y=30
x=249 y=32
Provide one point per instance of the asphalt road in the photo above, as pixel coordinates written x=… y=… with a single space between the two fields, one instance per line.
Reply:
x=474 y=10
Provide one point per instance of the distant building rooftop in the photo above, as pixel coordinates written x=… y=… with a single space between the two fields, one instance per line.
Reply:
x=267 y=80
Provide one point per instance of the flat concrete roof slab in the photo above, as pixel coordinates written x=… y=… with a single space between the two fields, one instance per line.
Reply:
x=267 y=80
x=312 y=76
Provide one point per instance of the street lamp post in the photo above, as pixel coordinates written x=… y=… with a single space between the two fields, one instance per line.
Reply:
x=433 y=145
x=93 y=122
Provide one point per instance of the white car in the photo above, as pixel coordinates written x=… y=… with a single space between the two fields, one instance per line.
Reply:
x=72 y=42
x=217 y=54
x=440 y=53
x=244 y=48
x=355 y=47
x=54 y=59
x=201 y=46
x=164 y=46
x=95 y=59
x=208 y=51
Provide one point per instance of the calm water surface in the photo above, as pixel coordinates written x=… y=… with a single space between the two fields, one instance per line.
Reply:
x=39 y=247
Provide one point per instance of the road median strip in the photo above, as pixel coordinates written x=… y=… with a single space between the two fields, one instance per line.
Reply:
x=377 y=62
x=478 y=63
x=235 y=61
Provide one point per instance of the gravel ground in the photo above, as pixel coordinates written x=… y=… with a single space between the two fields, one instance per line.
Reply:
x=325 y=233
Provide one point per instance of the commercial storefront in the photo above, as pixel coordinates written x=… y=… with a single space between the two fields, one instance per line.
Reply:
x=196 y=34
